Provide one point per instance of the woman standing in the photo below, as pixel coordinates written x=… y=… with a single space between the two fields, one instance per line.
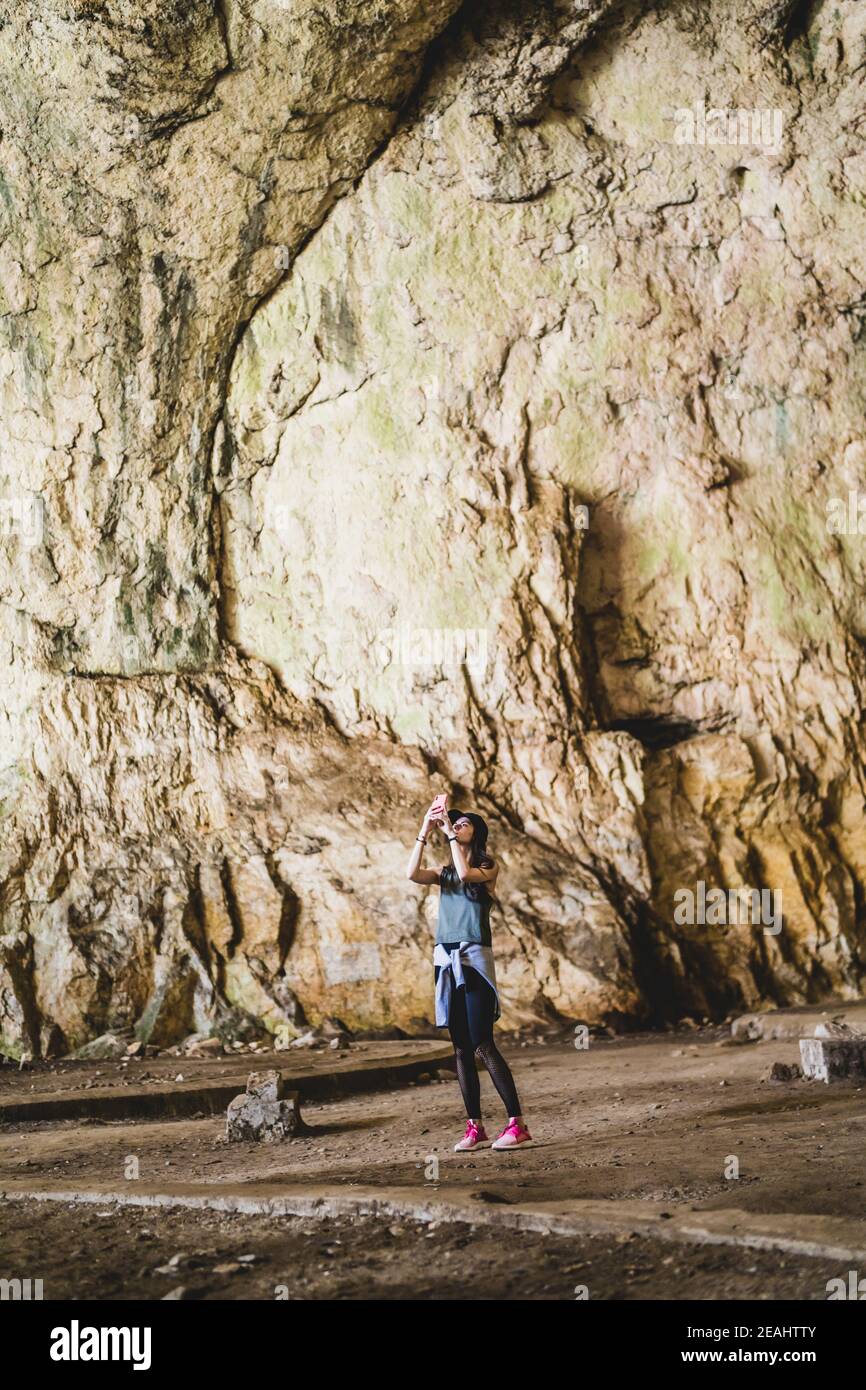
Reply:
x=467 y=1001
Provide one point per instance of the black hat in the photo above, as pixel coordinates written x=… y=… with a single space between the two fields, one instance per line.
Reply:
x=479 y=825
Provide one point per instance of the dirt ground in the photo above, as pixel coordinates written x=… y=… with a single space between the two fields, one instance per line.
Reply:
x=124 y=1253
x=66 y=1077
x=660 y=1118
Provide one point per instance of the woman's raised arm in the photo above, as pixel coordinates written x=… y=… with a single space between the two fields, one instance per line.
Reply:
x=414 y=872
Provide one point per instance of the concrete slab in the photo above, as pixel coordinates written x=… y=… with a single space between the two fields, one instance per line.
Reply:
x=344 y=1075
x=825 y=1237
x=799 y=1022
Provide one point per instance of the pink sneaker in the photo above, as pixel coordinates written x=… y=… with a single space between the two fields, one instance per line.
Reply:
x=512 y=1136
x=474 y=1138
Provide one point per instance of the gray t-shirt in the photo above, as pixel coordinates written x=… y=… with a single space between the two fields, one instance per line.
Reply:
x=464 y=910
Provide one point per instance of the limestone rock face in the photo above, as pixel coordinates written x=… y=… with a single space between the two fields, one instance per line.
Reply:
x=397 y=397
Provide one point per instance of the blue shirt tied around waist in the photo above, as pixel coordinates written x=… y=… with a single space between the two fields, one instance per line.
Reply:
x=470 y=953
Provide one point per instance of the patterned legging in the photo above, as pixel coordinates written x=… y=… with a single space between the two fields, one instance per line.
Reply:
x=470 y=1023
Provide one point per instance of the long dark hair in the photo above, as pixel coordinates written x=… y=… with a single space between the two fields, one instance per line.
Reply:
x=478 y=859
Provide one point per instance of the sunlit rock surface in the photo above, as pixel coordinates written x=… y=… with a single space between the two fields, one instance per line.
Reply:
x=397 y=398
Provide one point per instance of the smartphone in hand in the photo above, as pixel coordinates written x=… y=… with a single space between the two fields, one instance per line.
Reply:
x=439 y=804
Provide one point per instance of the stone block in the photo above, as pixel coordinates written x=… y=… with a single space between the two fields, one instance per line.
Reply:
x=266 y=1112
x=833 y=1059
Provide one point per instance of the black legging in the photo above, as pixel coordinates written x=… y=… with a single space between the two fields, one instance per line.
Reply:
x=470 y=1023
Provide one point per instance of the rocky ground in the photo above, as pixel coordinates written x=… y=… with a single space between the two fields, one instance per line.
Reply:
x=127 y=1254
x=657 y=1118
x=70 y=1076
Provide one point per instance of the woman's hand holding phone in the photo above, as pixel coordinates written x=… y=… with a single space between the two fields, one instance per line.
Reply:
x=433 y=815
